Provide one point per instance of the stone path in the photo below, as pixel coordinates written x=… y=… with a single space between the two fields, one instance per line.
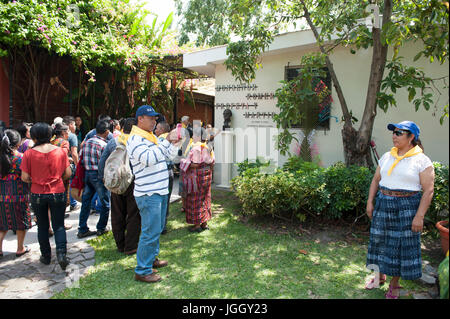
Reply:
x=27 y=278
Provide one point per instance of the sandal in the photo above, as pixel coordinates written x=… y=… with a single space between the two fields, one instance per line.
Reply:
x=371 y=284
x=390 y=295
x=196 y=229
x=27 y=250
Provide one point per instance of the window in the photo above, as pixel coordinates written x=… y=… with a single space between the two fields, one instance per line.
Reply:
x=316 y=116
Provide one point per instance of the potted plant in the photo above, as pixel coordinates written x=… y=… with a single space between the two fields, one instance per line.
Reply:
x=442 y=226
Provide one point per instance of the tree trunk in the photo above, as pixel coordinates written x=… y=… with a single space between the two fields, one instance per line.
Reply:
x=357 y=143
x=352 y=154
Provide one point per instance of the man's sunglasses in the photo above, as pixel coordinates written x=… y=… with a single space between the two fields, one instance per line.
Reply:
x=399 y=132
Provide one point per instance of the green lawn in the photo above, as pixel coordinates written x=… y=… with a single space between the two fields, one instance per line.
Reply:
x=233 y=260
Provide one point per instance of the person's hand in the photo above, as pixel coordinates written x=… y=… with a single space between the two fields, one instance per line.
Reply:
x=369 y=210
x=172 y=137
x=417 y=224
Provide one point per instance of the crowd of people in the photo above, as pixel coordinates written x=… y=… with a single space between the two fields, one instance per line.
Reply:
x=39 y=161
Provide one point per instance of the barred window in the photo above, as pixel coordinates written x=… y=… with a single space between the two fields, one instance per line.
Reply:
x=316 y=115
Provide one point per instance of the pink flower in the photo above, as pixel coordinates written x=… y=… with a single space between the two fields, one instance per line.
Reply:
x=74 y=42
x=7 y=31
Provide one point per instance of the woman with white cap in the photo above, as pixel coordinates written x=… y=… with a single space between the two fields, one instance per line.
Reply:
x=402 y=188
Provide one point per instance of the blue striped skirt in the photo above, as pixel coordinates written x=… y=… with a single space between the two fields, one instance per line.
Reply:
x=393 y=247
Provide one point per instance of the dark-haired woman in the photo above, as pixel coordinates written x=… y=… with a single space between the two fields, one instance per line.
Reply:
x=61 y=139
x=402 y=188
x=14 y=194
x=25 y=142
x=46 y=166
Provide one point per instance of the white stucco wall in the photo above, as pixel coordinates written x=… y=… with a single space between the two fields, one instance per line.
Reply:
x=353 y=72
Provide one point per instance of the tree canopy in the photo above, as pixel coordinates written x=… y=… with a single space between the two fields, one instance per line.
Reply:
x=337 y=23
x=123 y=58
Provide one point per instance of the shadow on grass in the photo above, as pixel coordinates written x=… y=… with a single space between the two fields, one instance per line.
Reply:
x=231 y=260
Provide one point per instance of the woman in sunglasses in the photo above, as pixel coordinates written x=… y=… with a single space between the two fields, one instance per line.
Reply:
x=402 y=188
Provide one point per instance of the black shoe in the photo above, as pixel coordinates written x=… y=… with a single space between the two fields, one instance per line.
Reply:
x=76 y=206
x=62 y=260
x=86 y=234
x=102 y=232
x=45 y=260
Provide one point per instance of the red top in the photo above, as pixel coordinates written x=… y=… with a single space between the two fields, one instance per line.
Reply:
x=45 y=170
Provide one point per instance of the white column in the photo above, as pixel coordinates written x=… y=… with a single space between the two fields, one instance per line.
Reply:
x=223 y=151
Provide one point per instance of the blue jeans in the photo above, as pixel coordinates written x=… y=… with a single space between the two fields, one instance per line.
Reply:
x=57 y=205
x=92 y=185
x=73 y=202
x=95 y=203
x=153 y=214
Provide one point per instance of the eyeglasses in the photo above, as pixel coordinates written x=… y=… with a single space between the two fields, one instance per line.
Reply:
x=399 y=132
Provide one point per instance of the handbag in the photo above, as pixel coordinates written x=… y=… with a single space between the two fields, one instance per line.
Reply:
x=77 y=184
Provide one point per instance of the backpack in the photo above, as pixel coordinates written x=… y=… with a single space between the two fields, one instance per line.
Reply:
x=118 y=175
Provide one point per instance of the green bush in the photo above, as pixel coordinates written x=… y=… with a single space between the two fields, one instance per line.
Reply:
x=439 y=205
x=304 y=189
x=348 y=188
x=245 y=165
x=296 y=164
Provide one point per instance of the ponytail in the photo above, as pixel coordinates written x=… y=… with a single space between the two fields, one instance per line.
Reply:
x=9 y=141
x=417 y=143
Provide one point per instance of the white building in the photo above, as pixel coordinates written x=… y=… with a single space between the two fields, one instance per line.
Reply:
x=353 y=73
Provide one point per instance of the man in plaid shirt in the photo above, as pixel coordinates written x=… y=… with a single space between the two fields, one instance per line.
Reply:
x=90 y=155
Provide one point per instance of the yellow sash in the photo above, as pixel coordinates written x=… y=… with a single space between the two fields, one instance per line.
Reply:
x=135 y=130
x=123 y=138
x=394 y=152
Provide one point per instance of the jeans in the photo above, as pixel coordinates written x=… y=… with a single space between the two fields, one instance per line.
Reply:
x=153 y=214
x=93 y=185
x=40 y=204
x=73 y=202
x=95 y=203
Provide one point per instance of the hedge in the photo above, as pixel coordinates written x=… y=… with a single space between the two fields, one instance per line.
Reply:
x=305 y=190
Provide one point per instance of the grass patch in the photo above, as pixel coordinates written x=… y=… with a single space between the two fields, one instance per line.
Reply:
x=232 y=260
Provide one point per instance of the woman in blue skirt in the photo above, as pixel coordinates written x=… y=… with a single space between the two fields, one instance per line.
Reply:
x=402 y=188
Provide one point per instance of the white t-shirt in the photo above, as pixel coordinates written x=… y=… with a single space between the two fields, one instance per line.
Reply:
x=405 y=174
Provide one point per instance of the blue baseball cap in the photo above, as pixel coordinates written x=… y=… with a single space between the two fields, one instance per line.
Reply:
x=146 y=110
x=406 y=125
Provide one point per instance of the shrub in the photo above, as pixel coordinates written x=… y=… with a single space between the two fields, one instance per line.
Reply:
x=348 y=188
x=296 y=164
x=245 y=165
x=439 y=205
x=304 y=189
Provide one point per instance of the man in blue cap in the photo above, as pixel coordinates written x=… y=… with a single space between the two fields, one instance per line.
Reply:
x=148 y=157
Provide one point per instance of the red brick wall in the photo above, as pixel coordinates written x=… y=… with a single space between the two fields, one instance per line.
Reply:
x=203 y=111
